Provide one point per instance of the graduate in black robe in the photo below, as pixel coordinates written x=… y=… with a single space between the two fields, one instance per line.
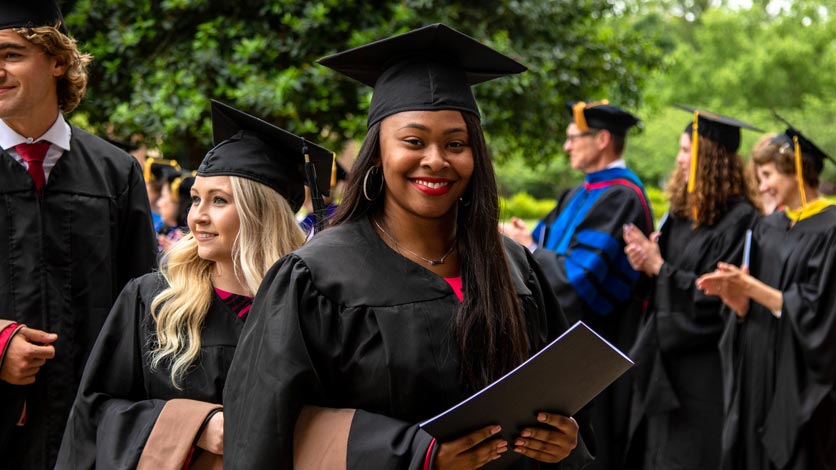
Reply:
x=133 y=411
x=779 y=348
x=75 y=228
x=677 y=410
x=411 y=302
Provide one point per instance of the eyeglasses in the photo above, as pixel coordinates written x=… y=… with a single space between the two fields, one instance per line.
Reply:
x=571 y=137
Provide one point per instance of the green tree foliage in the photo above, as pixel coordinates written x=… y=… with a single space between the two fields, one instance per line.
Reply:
x=739 y=62
x=157 y=63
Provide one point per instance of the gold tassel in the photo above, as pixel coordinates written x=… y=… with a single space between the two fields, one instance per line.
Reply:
x=692 y=174
x=149 y=162
x=799 y=171
x=174 y=188
x=580 y=117
x=333 y=169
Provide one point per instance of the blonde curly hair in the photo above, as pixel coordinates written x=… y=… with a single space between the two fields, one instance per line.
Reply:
x=73 y=84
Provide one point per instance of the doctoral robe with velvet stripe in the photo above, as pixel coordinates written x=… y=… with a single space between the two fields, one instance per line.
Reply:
x=779 y=375
x=64 y=257
x=346 y=322
x=581 y=251
x=678 y=405
x=121 y=396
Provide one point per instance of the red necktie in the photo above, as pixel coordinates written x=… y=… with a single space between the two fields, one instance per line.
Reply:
x=33 y=155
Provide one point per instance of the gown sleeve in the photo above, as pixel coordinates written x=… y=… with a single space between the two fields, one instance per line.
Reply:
x=806 y=351
x=687 y=316
x=280 y=366
x=110 y=419
x=11 y=396
x=594 y=273
x=273 y=374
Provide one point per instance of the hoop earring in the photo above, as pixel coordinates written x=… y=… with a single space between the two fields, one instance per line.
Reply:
x=372 y=169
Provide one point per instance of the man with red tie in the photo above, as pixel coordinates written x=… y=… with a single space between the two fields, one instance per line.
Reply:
x=75 y=226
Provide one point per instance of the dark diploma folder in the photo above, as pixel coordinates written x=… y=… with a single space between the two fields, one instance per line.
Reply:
x=561 y=378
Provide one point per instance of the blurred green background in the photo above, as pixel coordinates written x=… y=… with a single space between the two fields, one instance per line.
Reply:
x=158 y=62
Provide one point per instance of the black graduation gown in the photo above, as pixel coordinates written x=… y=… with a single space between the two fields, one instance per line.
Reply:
x=121 y=397
x=779 y=374
x=65 y=257
x=612 y=207
x=678 y=395
x=346 y=322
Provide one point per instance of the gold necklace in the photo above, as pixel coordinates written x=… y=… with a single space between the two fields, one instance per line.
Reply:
x=431 y=262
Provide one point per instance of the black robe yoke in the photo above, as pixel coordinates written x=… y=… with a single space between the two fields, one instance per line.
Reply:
x=677 y=376
x=64 y=257
x=346 y=322
x=121 y=396
x=779 y=374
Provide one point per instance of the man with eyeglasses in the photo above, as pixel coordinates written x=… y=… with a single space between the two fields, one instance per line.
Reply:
x=579 y=245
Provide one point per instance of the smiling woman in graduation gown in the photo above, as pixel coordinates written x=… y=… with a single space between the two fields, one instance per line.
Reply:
x=411 y=301
x=677 y=409
x=138 y=408
x=779 y=351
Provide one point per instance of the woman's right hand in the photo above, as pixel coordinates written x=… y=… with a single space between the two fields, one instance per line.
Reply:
x=643 y=253
x=517 y=230
x=730 y=283
x=212 y=438
x=472 y=451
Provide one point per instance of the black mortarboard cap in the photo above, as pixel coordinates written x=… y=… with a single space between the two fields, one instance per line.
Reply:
x=157 y=169
x=31 y=13
x=601 y=115
x=430 y=68
x=721 y=129
x=808 y=148
x=248 y=147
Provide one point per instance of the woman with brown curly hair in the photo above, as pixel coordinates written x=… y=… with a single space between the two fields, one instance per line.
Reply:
x=678 y=400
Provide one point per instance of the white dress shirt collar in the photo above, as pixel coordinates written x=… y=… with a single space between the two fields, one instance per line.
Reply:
x=58 y=135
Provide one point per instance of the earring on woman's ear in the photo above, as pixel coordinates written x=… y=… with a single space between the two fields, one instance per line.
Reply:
x=372 y=171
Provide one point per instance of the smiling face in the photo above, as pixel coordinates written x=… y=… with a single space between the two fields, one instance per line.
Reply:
x=213 y=218
x=28 y=86
x=783 y=188
x=427 y=162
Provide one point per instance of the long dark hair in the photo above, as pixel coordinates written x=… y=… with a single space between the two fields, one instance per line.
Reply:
x=489 y=324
